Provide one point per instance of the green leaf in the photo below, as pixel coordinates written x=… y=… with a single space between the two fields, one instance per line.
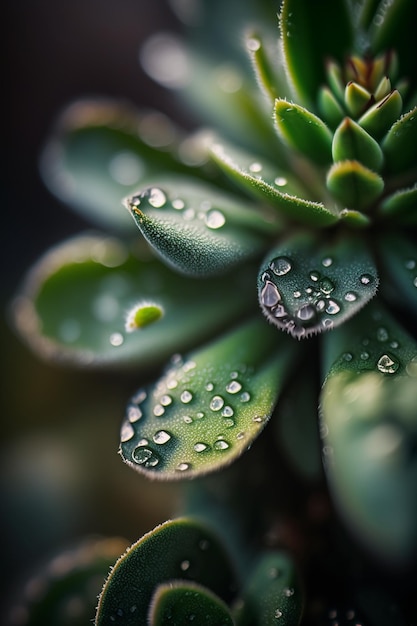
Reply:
x=307 y=286
x=351 y=142
x=303 y=131
x=353 y=184
x=73 y=305
x=272 y=593
x=263 y=57
x=357 y=98
x=369 y=426
x=330 y=108
x=182 y=549
x=207 y=410
x=398 y=259
x=401 y=206
x=380 y=117
x=103 y=149
x=355 y=219
x=276 y=188
x=307 y=41
x=181 y=602
x=399 y=145
x=196 y=229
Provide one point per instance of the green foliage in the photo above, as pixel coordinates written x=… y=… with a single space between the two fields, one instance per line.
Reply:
x=308 y=184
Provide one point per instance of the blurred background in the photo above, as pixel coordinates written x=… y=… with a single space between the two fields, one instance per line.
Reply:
x=61 y=477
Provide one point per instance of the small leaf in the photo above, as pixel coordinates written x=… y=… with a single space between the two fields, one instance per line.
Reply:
x=351 y=142
x=265 y=66
x=357 y=98
x=182 y=549
x=207 y=410
x=303 y=131
x=307 y=41
x=330 y=108
x=378 y=119
x=196 y=229
x=401 y=206
x=278 y=189
x=369 y=429
x=306 y=287
x=355 y=219
x=73 y=305
x=182 y=602
x=353 y=184
x=399 y=145
x=398 y=258
x=272 y=594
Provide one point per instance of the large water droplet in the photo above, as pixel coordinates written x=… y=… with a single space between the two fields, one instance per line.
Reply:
x=145 y=456
x=166 y=400
x=216 y=403
x=126 y=432
x=158 y=410
x=221 y=444
x=255 y=167
x=233 y=387
x=186 y=396
x=280 y=266
x=326 y=285
x=116 y=339
x=227 y=411
x=156 y=197
x=387 y=365
x=253 y=44
x=270 y=295
x=307 y=312
x=133 y=413
x=326 y=262
x=215 y=219
x=161 y=437
x=332 y=307
x=280 y=181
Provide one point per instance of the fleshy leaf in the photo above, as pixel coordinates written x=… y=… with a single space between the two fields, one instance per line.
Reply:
x=351 y=142
x=399 y=145
x=303 y=131
x=330 y=108
x=207 y=410
x=306 y=287
x=353 y=184
x=277 y=189
x=182 y=549
x=307 y=40
x=196 y=229
x=100 y=151
x=272 y=595
x=369 y=429
x=398 y=259
x=181 y=602
x=401 y=206
x=357 y=98
x=73 y=304
x=380 y=117
x=265 y=66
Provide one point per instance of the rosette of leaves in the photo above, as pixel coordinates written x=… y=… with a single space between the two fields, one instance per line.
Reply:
x=277 y=264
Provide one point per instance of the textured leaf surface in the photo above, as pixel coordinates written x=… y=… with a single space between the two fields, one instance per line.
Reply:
x=303 y=131
x=196 y=229
x=401 y=206
x=74 y=303
x=307 y=40
x=399 y=145
x=350 y=141
x=269 y=73
x=184 y=602
x=101 y=150
x=272 y=594
x=306 y=287
x=179 y=549
x=379 y=118
x=353 y=184
x=369 y=429
x=207 y=410
x=277 y=188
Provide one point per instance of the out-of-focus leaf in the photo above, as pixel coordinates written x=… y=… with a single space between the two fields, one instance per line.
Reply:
x=306 y=287
x=379 y=118
x=269 y=71
x=399 y=144
x=182 y=549
x=353 y=184
x=330 y=108
x=74 y=302
x=398 y=259
x=369 y=426
x=198 y=230
x=207 y=410
x=401 y=206
x=351 y=142
x=357 y=98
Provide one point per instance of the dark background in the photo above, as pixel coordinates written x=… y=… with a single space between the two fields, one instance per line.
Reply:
x=61 y=477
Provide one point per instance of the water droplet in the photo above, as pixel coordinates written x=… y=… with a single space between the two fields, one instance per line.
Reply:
x=280 y=181
x=161 y=437
x=221 y=444
x=183 y=467
x=188 y=366
x=234 y=375
x=209 y=387
x=145 y=456
x=142 y=442
x=410 y=264
x=185 y=565
x=366 y=279
x=306 y=312
x=215 y=219
x=178 y=204
x=186 y=396
x=315 y=276
x=327 y=323
x=258 y=419
x=227 y=411
x=326 y=285
x=277 y=614
x=245 y=396
x=387 y=365
x=166 y=400
x=348 y=356
x=156 y=197
x=189 y=214
x=133 y=413
x=270 y=295
x=216 y=403
x=255 y=167
x=253 y=44
x=327 y=262
x=332 y=307
x=199 y=415
x=126 y=432
x=297 y=294
x=415 y=282
x=350 y=296
x=200 y=447
x=394 y=344
x=116 y=339
x=364 y=355
x=280 y=266
x=187 y=419
x=234 y=386
x=240 y=435
x=158 y=410
x=172 y=384
x=382 y=334
x=289 y=592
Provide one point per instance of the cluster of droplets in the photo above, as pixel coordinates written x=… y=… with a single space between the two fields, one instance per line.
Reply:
x=310 y=308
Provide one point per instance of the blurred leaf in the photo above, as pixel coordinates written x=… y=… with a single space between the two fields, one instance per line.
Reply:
x=207 y=410
x=351 y=142
x=379 y=118
x=353 y=184
x=182 y=549
x=401 y=206
x=398 y=259
x=399 y=144
x=73 y=305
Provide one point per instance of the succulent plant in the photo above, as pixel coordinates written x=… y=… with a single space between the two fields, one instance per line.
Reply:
x=276 y=280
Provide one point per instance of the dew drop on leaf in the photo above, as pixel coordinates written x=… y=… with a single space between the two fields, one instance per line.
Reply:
x=280 y=266
x=387 y=365
x=216 y=403
x=161 y=437
x=215 y=219
x=200 y=446
x=233 y=387
x=280 y=181
x=116 y=339
x=127 y=432
x=221 y=444
x=183 y=467
x=186 y=396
